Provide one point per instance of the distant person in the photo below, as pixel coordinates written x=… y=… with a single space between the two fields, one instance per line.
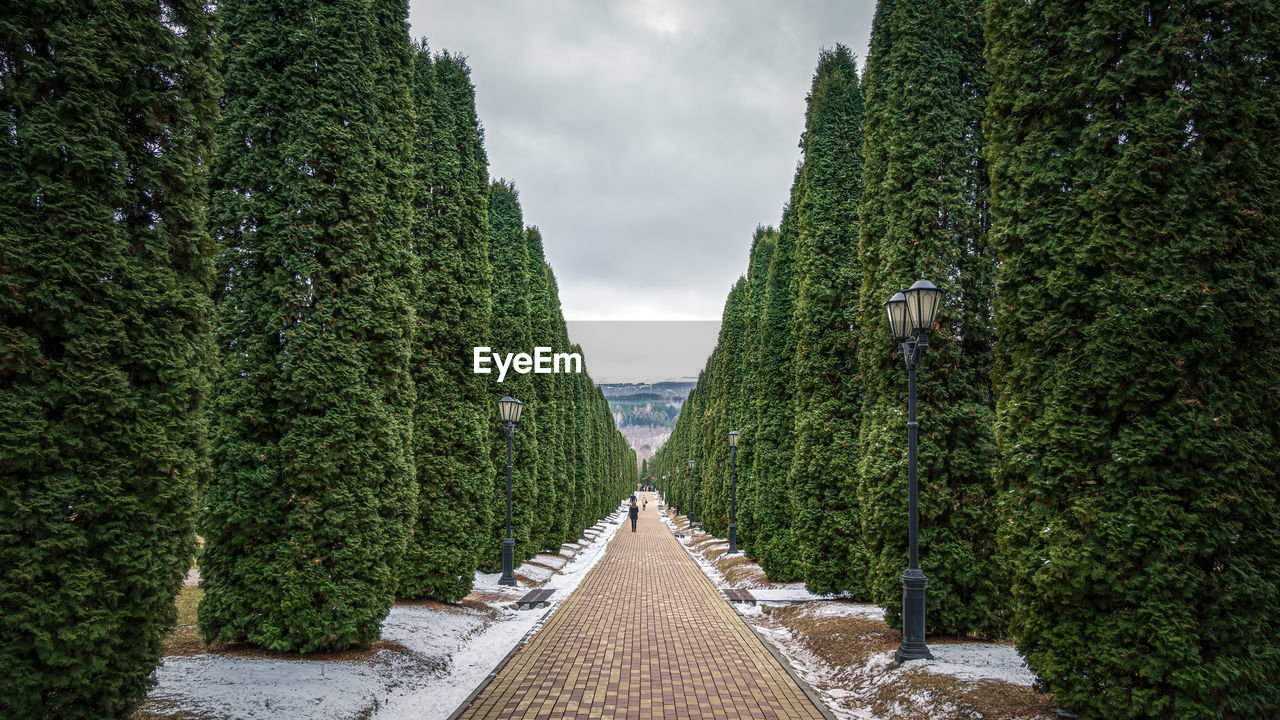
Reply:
x=645 y=505
x=634 y=512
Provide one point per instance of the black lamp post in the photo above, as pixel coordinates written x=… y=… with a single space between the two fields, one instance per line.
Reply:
x=691 y=496
x=911 y=316
x=733 y=494
x=509 y=411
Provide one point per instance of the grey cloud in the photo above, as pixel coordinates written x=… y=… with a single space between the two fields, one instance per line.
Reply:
x=648 y=138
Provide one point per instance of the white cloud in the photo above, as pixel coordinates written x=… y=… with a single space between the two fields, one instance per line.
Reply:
x=648 y=138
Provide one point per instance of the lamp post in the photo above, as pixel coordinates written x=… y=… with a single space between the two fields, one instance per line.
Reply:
x=509 y=410
x=691 y=496
x=733 y=494
x=911 y=316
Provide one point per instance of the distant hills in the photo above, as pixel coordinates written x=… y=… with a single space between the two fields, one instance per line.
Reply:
x=646 y=413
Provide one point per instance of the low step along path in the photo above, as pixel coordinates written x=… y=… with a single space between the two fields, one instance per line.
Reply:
x=646 y=635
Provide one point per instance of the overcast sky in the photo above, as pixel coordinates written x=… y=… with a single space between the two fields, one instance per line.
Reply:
x=647 y=138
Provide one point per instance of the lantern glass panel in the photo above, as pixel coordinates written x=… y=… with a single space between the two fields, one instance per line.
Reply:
x=509 y=410
x=923 y=299
x=897 y=308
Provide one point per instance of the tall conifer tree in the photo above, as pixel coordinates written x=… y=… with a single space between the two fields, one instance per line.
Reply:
x=564 y=473
x=1135 y=156
x=512 y=332
x=826 y=383
x=313 y=494
x=774 y=420
x=720 y=414
x=924 y=213
x=451 y=419
x=105 y=276
x=544 y=401
x=763 y=243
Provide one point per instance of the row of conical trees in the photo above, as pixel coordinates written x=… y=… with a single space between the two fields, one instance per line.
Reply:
x=243 y=268
x=1095 y=187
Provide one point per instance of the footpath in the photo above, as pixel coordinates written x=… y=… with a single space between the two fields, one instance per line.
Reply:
x=646 y=636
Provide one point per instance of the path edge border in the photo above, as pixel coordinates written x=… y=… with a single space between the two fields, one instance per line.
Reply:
x=777 y=654
x=466 y=702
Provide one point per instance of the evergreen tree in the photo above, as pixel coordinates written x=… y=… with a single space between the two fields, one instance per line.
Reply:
x=545 y=533
x=313 y=494
x=451 y=419
x=773 y=402
x=512 y=332
x=826 y=383
x=565 y=477
x=762 y=245
x=105 y=281
x=924 y=213
x=583 y=451
x=1135 y=152
x=721 y=414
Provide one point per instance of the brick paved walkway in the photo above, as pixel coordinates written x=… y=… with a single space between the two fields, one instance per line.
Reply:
x=644 y=636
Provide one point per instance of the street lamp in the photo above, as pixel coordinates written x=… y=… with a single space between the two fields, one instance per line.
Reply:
x=691 y=496
x=733 y=495
x=911 y=316
x=509 y=410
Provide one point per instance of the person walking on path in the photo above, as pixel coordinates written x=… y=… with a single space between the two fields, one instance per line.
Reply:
x=635 y=514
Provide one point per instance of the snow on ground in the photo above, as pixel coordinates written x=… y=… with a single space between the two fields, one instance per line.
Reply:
x=231 y=687
x=973 y=661
x=555 y=562
x=449 y=651
x=534 y=573
x=849 y=691
x=794 y=592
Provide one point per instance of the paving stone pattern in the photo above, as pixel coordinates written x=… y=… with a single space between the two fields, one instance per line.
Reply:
x=644 y=636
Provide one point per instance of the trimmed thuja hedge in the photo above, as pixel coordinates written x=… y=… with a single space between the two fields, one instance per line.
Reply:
x=772 y=407
x=513 y=333
x=451 y=417
x=105 y=276
x=1135 y=158
x=313 y=495
x=822 y=484
x=924 y=213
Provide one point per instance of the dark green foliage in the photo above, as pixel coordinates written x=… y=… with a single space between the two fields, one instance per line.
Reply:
x=721 y=415
x=512 y=332
x=313 y=494
x=762 y=246
x=451 y=419
x=826 y=381
x=924 y=213
x=772 y=408
x=564 y=474
x=543 y=402
x=1135 y=156
x=105 y=276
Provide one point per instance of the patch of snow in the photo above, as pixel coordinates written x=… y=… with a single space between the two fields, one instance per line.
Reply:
x=438 y=697
x=554 y=562
x=428 y=630
x=488 y=583
x=252 y=689
x=974 y=661
x=794 y=592
x=835 y=609
x=534 y=573
x=450 y=652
